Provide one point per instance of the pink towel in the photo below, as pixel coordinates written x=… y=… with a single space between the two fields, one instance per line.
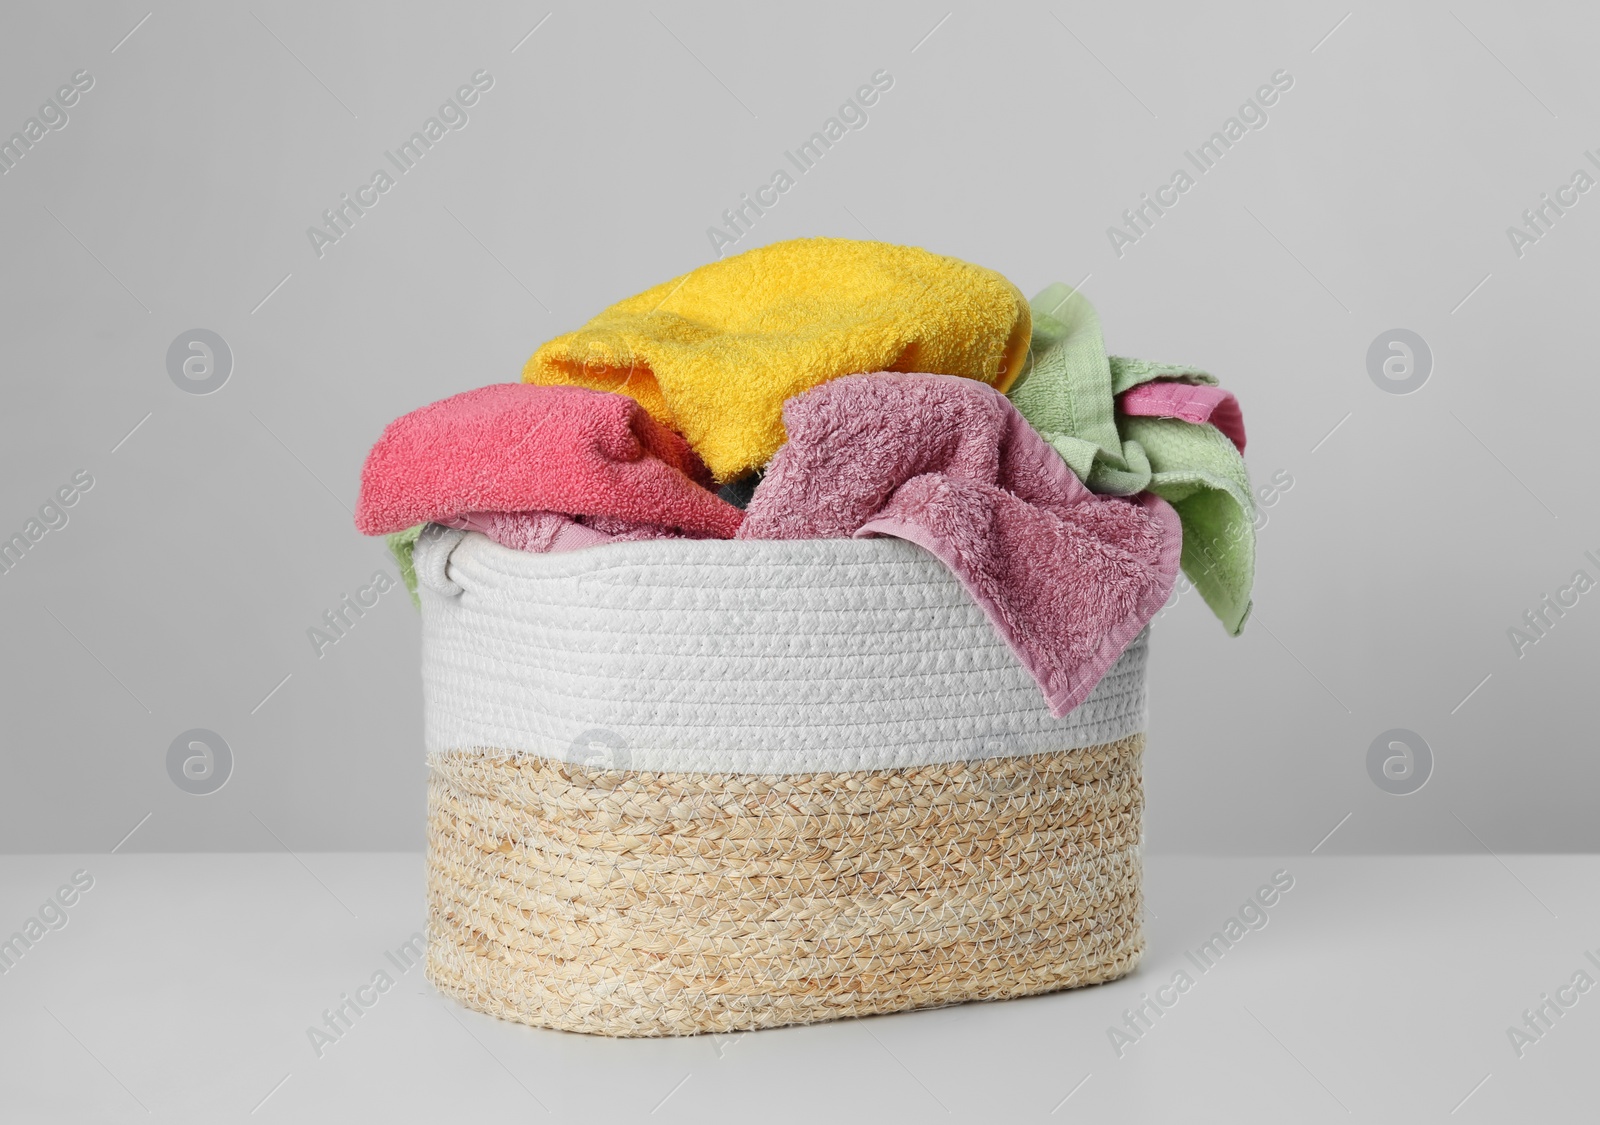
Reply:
x=552 y=532
x=1067 y=577
x=515 y=447
x=1190 y=403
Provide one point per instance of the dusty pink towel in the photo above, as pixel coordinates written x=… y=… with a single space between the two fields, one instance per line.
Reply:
x=1067 y=577
x=552 y=532
x=515 y=447
x=1190 y=403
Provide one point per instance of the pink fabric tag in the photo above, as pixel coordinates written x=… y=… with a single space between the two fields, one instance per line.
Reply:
x=1190 y=404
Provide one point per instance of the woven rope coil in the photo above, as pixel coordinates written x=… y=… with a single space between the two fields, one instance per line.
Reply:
x=631 y=903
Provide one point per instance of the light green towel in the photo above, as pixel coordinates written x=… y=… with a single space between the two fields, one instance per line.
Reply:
x=1067 y=391
x=1197 y=470
x=401 y=544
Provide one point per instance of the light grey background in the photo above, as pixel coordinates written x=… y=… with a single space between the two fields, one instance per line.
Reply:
x=1378 y=196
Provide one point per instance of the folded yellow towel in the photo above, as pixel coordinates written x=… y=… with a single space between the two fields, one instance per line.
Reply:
x=715 y=353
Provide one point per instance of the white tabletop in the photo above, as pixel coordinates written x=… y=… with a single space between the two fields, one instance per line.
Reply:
x=182 y=987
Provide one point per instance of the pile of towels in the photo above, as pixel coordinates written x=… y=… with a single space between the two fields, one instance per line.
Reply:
x=829 y=388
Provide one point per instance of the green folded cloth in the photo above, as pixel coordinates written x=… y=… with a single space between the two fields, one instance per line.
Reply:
x=401 y=544
x=1065 y=390
x=1068 y=390
x=1197 y=470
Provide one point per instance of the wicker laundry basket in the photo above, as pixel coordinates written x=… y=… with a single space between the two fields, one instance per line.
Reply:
x=703 y=786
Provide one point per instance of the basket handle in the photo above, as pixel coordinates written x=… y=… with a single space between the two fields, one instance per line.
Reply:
x=431 y=558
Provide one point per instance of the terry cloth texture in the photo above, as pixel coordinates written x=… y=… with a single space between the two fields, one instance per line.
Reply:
x=1068 y=578
x=532 y=531
x=742 y=656
x=511 y=447
x=528 y=531
x=715 y=353
x=1200 y=473
x=1069 y=392
x=553 y=531
x=1066 y=392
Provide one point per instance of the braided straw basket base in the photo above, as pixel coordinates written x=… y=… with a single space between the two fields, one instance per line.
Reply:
x=629 y=903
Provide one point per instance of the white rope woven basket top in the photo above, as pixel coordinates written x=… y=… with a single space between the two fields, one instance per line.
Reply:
x=733 y=656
